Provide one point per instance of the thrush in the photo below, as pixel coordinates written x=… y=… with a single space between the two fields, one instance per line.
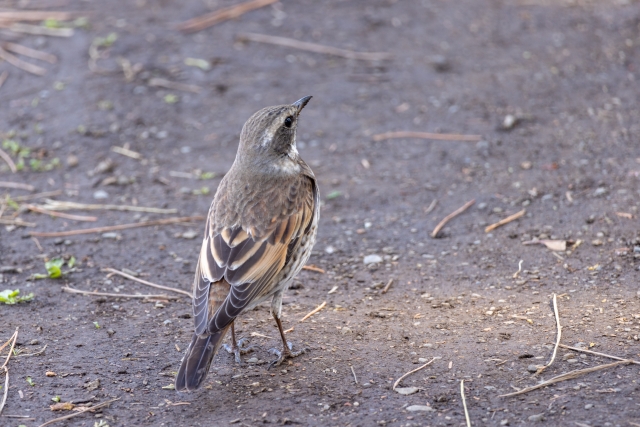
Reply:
x=259 y=232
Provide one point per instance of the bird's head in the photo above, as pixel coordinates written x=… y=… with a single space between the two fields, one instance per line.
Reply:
x=269 y=136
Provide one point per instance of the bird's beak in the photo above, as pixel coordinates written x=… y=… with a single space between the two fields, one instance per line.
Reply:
x=300 y=103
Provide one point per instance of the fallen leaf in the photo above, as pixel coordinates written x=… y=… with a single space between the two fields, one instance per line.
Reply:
x=554 y=245
x=92 y=385
x=62 y=406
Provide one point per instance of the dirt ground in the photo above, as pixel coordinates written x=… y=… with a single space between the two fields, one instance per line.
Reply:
x=552 y=88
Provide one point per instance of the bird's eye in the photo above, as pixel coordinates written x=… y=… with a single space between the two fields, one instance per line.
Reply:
x=288 y=122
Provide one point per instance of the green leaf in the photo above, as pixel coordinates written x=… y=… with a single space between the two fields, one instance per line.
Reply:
x=12 y=297
x=30 y=381
x=56 y=399
x=96 y=324
x=54 y=267
x=334 y=194
x=38 y=276
x=170 y=98
x=71 y=262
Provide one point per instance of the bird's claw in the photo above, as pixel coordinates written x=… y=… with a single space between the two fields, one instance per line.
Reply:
x=285 y=353
x=240 y=349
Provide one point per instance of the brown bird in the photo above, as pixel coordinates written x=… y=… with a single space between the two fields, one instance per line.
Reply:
x=259 y=233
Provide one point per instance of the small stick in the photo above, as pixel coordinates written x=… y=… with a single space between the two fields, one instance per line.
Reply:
x=18 y=222
x=8 y=159
x=37 y=353
x=126 y=152
x=23 y=65
x=559 y=335
x=13 y=340
x=6 y=388
x=40 y=31
x=583 y=350
x=31 y=53
x=55 y=205
x=82 y=411
x=37 y=196
x=168 y=84
x=3 y=77
x=37 y=15
x=103 y=294
x=568 y=376
x=15 y=185
x=60 y=214
x=314 y=47
x=37 y=242
x=221 y=15
x=515 y=275
x=117 y=227
x=464 y=404
x=431 y=207
x=387 y=286
x=313 y=268
x=624 y=215
x=314 y=311
x=354 y=375
x=427 y=135
x=415 y=370
x=450 y=217
x=506 y=220
x=144 y=282
x=289 y=330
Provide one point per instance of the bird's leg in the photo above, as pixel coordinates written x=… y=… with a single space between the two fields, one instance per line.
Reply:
x=238 y=348
x=286 y=352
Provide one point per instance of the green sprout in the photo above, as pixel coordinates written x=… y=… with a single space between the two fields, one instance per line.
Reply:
x=10 y=297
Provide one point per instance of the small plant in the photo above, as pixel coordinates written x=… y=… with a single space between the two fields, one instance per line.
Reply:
x=10 y=297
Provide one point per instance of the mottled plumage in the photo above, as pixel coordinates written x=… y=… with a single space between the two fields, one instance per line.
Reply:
x=259 y=233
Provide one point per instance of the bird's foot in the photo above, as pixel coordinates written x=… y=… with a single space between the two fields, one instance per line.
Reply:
x=241 y=348
x=285 y=353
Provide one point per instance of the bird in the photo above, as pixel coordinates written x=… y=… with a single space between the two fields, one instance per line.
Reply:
x=259 y=233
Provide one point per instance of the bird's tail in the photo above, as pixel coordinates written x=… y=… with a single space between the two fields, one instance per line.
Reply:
x=197 y=360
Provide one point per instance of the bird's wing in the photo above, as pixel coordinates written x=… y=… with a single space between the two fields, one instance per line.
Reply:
x=236 y=268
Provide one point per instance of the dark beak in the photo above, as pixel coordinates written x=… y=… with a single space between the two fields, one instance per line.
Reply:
x=300 y=103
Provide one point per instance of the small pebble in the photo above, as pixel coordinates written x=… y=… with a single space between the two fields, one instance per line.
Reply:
x=191 y=234
x=72 y=161
x=253 y=360
x=509 y=121
x=532 y=368
x=416 y=408
x=356 y=404
x=365 y=385
x=536 y=417
x=422 y=360
x=329 y=250
x=110 y=235
x=372 y=259
x=110 y=332
x=345 y=330
x=100 y=195
x=588 y=406
x=34 y=342
x=504 y=422
x=167 y=322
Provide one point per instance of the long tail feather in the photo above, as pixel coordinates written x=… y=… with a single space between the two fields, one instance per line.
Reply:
x=197 y=361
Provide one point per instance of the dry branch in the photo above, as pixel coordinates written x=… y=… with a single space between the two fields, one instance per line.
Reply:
x=314 y=47
x=82 y=411
x=117 y=227
x=23 y=65
x=31 y=53
x=16 y=185
x=37 y=15
x=558 y=337
x=449 y=217
x=55 y=205
x=387 y=286
x=104 y=294
x=506 y=220
x=38 y=30
x=144 y=282
x=8 y=159
x=37 y=196
x=314 y=311
x=464 y=404
x=313 y=268
x=568 y=376
x=168 y=84
x=595 y=353
x=4 y=368
x=414 y=371
x=221 y=15
x=427 y=135
x=60 y=214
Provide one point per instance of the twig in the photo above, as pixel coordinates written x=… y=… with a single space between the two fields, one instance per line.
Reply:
x=506 y=220
x=313 y=268
x=37 y=196
x=595 y=353
x=464 y=404
x=60 y=214
x=624 y=215
x=221 y=15
x=37 y=353
x=449 y=217
x=414 y=371
x=17 y=222
x=559 y=336
x=31 y=53
x=314 y=311
x=6 y=388
x=82 y=411
x=431 y=207
x=37 y=242
x=144 y=282
x=3 y=77
x=568 y=376
x=427 y=135
x=168 y=84
x=55 y=205
x=40 y=31
x=126 y=152
x=13 y=340
x=37 y=15
x=23 y=65
x=15 y=185
x=387 y=286
x=517 y=273
x=103 y=294
x=117 y=227
x=354 y=374
x=8 y=159
x=314 y=47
